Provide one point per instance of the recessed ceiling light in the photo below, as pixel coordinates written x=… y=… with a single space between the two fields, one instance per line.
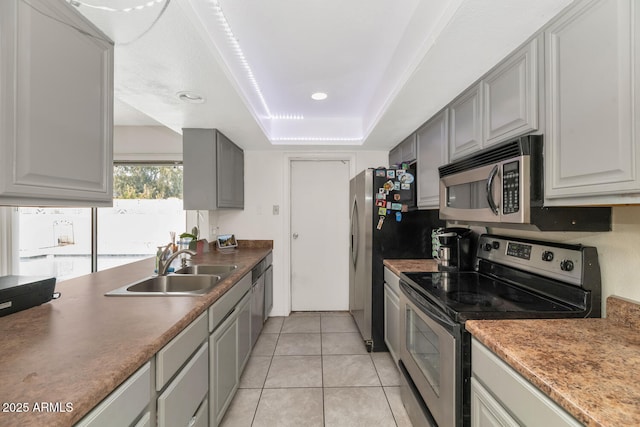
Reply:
x=319 y=96
x=190 y=97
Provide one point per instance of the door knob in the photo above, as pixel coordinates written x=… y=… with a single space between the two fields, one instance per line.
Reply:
x=295 y=235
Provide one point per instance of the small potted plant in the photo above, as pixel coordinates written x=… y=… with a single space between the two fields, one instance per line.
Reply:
x=190 y=238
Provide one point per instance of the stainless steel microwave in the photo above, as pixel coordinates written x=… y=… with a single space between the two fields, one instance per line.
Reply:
x=504 y=186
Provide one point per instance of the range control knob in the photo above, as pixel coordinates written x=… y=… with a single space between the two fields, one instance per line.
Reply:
x=487 y=247
x=547 y=256
x=566 y=265
x=496 y=244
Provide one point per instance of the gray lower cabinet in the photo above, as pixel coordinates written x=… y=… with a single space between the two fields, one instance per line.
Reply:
x=125 y=405
x=245 y=343
x=182 y=375
x=268 y=292
x=502 y=397
x=257 y=308
x=224 y=367
x=180 y=403
x=392 y=313
x=213 y=170
x=56 y=107
x=230 y=346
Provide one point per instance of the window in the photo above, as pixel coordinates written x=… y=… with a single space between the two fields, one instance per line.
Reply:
x=147 y=206
x=55 y=242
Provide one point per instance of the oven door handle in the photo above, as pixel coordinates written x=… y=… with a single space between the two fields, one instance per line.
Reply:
x=429 y=309
x=492 y=203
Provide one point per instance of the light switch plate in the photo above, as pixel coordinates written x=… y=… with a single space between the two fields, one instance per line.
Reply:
x=276 y=209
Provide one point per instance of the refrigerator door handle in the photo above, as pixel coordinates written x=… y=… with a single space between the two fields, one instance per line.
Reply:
x=354 y=232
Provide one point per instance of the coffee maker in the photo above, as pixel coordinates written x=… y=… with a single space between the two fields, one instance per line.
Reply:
x=455 y=249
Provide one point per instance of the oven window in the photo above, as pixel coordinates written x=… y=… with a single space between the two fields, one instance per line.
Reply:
x=470 y=195
x=424 y=347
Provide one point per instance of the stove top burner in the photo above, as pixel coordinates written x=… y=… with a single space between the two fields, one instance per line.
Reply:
x=472 y=295
x=470 y=298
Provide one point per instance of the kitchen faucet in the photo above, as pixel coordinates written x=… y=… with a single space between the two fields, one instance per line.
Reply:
x=163 y=265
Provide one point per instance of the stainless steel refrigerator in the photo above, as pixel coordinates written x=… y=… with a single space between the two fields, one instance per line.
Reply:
x=384 y=224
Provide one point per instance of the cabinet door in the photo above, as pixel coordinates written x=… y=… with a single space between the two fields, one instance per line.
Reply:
x=230 y=173
x=591 y=76
x=268 y=292
x=432 y=140
x=56 y=108
x=408 y=149
x=395 y=156
x=405 y=152
x=199 y=166
x=392 y=322
x=487 y=411
x=244 y=332
x=257 y=309
x=224 y=368
x=466 y=123
x=510 y=95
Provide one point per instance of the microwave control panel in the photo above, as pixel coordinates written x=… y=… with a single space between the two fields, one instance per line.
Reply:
x=511 y=187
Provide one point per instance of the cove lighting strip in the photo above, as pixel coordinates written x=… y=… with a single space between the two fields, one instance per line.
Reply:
x=238 y=52
x=150 y=3
x=316 y=139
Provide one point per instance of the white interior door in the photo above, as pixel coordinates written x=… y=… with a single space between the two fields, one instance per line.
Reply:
x=319 y=235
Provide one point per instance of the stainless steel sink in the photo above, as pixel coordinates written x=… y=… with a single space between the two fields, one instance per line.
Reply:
x=207 y=269
x=172 y=284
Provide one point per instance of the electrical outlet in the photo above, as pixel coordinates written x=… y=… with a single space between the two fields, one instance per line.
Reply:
x=276 y=209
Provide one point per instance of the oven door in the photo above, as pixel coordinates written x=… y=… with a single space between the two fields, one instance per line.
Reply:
x=430 y=350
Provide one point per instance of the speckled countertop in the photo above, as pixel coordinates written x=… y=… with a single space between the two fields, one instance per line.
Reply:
x=399 y=266
x=79 y=348
x=590 y=367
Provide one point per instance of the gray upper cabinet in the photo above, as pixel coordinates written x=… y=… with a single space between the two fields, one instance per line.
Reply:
x=592 y=71
x=510 y=93
x=56 y=107
x=405 y=152
x=465 y=118
x=213 y=170
x=432 y=140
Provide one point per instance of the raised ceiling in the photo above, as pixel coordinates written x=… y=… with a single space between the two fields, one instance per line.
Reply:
x=385 y=66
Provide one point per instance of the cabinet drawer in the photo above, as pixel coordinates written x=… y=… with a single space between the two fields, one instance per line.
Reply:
x=219 y=310
x=145 y=421
x=178 y=404
x=175 y=354
x=125 y=404
x=524 y=401
x=201 y=418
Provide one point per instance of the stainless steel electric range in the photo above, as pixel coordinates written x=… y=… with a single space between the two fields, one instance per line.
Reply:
x=512 y=279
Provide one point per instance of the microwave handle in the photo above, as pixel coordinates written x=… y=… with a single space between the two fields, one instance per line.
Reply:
x=492 y=203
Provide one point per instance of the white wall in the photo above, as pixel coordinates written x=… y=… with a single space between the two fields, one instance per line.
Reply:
x=618 y=251
x=265 y=177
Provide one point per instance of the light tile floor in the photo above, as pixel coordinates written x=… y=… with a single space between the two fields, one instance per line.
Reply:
x=312 y=369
